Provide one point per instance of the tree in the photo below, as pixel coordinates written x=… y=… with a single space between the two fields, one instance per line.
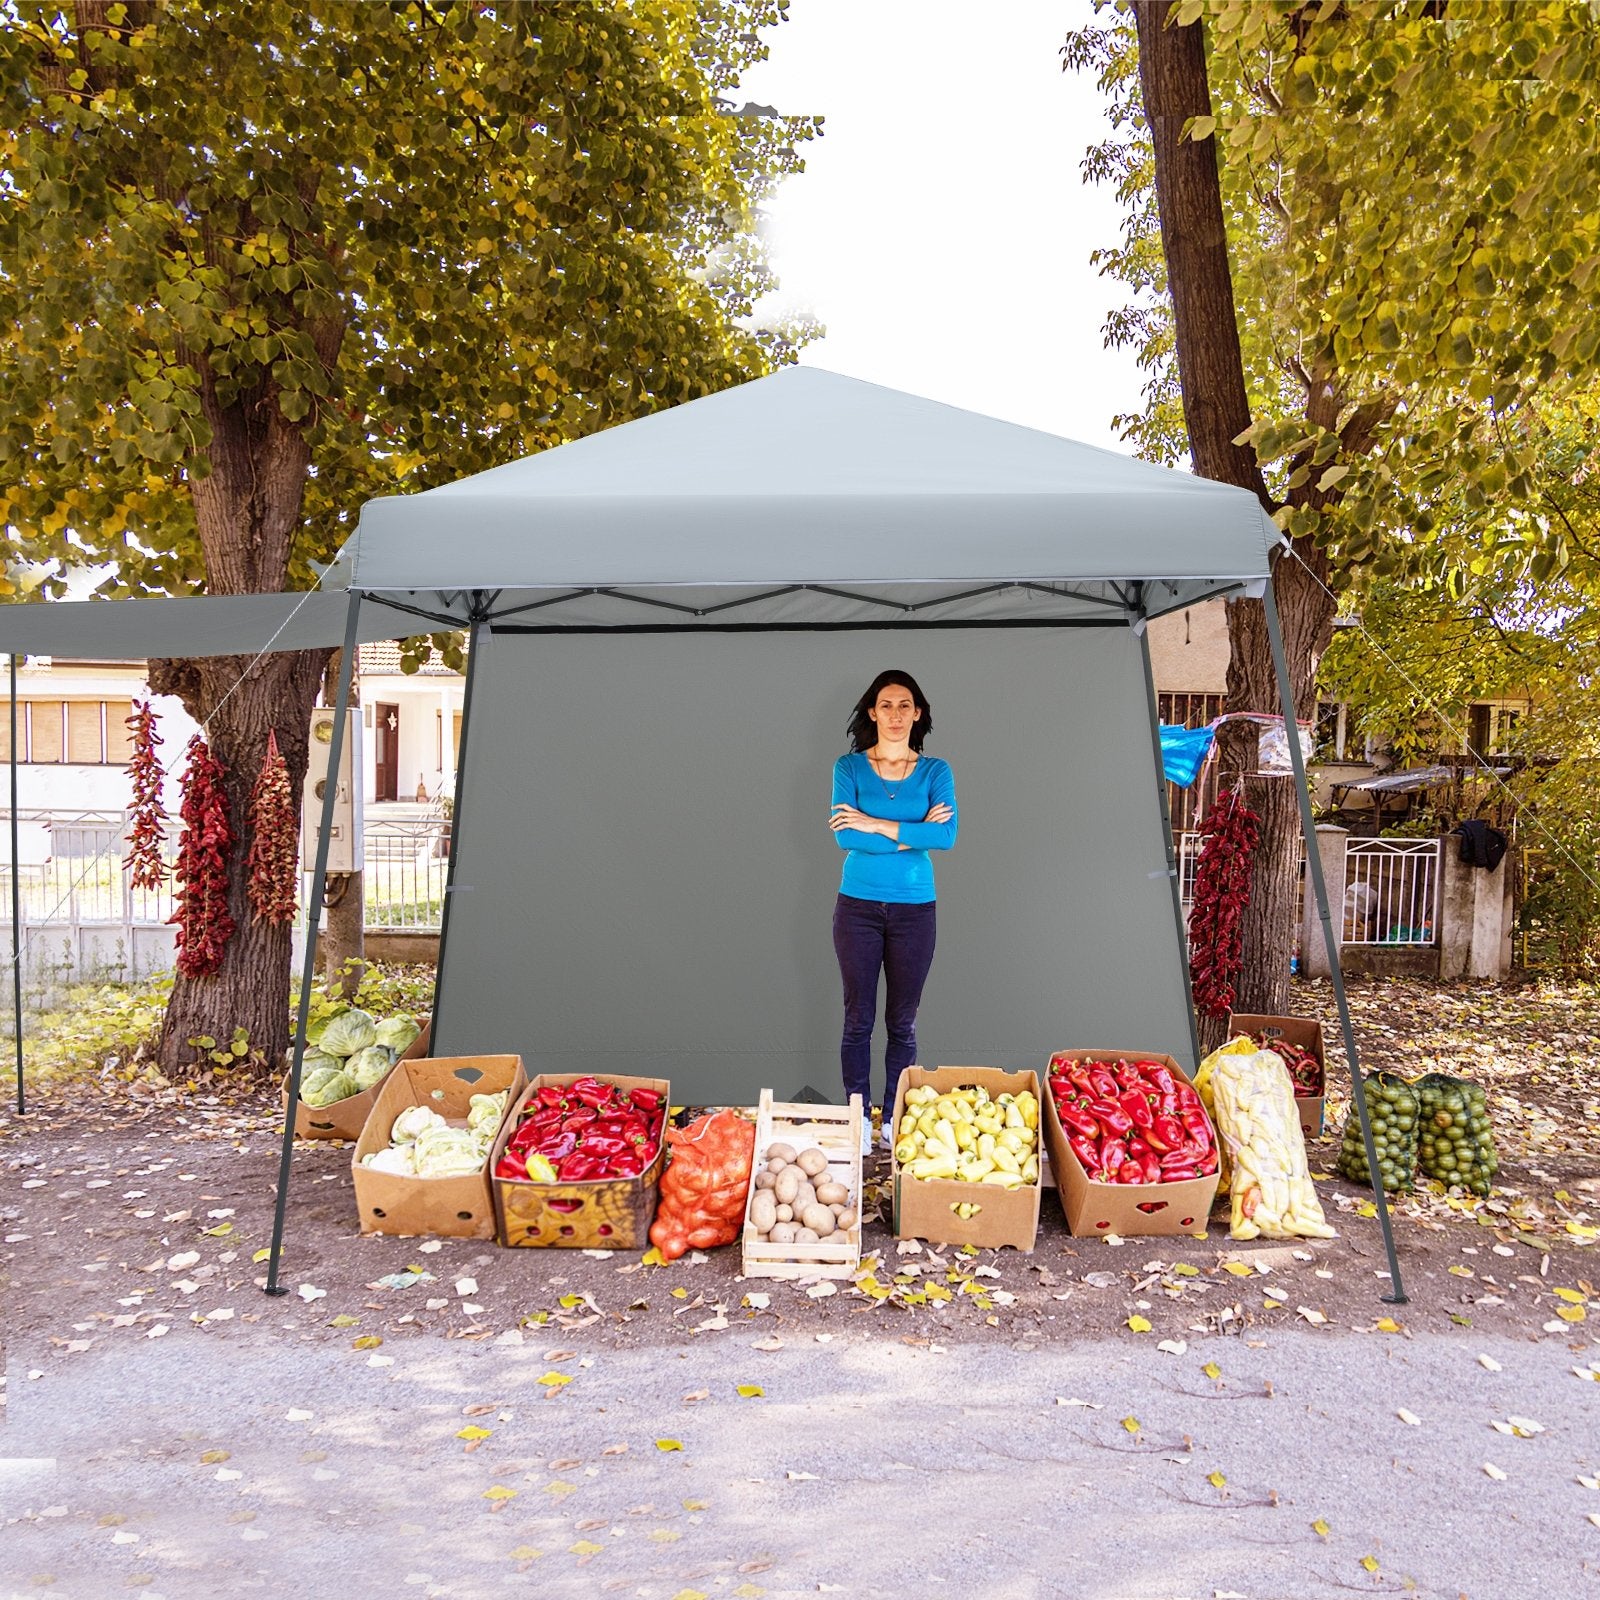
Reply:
x=261 y=261
x=1404 y=191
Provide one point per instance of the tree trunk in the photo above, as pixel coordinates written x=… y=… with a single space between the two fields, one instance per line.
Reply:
x=247 y=510
x=251 y=988
x=1216 y=409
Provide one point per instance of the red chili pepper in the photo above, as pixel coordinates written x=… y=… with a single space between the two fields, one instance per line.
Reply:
x=1165 y=1133
x=513 y=1164
x=579 y=1167
x=556 y=1145
x=1179 y=1174
x=1137 y=1107
x=581 y=1118
x=1086 y=1150
x=1113 y=1120
x=551 y=1095
x=647 y=1099
x=1159 y=1077
x=1101 y=1083
x=1112 y=1158
x=630 y=1164
x=603 y=1146
x=1077 y=1121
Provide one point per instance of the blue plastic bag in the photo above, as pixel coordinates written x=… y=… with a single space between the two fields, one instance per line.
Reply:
x=1183 y=752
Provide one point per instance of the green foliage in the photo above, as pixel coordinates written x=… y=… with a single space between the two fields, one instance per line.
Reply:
x=372 y=248
x=114 y=1027
x=1409 y=196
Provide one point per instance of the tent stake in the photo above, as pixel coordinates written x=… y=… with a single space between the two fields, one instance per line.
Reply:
x=1308 y=826
x=476 y=634
x=308 y=974
x=1174 y=868
x=16 y=905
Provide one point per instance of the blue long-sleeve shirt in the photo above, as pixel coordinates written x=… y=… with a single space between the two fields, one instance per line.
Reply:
x=875 y=867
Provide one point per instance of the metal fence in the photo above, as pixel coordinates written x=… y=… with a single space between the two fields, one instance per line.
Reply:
x=75 y=875
x=1391 y=891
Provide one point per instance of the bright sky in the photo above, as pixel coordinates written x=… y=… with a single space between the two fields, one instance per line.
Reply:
x=941 y=229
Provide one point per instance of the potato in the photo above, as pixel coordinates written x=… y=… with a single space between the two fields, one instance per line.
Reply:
x=836 y=1207
x=763 y=1211
x=804 y=1236
x=775 y=1166
x=828 y=1193
x=819 y=1219
x=846 y=1221
x=788 y=1185
x=812 y=1162
x=784 y=1213
x=781 y=1152
x=804 y=1196
x=765 y=1180
x=782 y=1233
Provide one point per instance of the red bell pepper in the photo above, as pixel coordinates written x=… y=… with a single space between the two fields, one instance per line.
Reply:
x=646 y=1099
x=1137 y=1107
x=1087 y=1151
x=1112 y=1158
x=1113 y=1120
x=1076 y=1121
x=512 y=1165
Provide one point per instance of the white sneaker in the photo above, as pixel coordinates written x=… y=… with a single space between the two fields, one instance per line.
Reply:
x=866 y=1133
x=888 y=1137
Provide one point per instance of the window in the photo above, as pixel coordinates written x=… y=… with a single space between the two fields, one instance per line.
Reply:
x=1491 y=729
x=89 y=733
x=455 y=740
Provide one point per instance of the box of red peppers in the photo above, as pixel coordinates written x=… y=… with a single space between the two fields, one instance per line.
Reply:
x=579 y=1160
x=1298 y=1040
x=1131 y=1145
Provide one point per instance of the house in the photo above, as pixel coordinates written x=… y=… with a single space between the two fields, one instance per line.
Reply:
x=73 y=742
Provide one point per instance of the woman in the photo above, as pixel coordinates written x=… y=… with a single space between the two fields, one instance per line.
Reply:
x=891 y=806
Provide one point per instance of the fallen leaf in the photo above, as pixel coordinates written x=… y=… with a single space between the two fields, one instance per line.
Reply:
x=1215 y=1479
x=1173 y=1347
x=1131 y=1424
x=309 y=1292
x=526 y=1552
x=556 y=1380
x=1494 y=1472
x=1410 y=1418
x=1387 y=1325
x=1315 y=1318
x=473 y=1431
x=1370 y=1563
x=212 y=1457
x=1238 y=1269
x=585 y=1547
x=1088 y=1405
x=500 y=1492
x=750 y=1391
x=297 y=1416
x=802 y=1477
x=1489 y=1364
x=1212 y=1370
x=1139 y=1324
x=771 y=1342
x=1321 y=1528
x=367 y=1341
x=668 y=1444
x=821 y=1291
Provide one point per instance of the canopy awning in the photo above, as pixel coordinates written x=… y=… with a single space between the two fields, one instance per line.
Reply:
x=807 y=498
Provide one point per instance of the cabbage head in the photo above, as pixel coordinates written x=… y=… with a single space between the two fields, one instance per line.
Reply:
x=447 y=1152
x=328 y=1088
x=413 y=1122
x=347 y=1033
x=396 y=1161
x=484 y=1112
x=398 y=1033
x=369 y=1066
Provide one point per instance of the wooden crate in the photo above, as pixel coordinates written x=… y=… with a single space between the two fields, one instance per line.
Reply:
x=836 y=1131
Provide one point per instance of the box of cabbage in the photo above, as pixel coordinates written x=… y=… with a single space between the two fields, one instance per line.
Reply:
x=355 y=1051
x=418 y=1095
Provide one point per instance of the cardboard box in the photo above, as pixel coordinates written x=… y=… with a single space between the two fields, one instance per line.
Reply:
x=1306 y=1032
x=922 y=1206
x=836 y=1131
x=598 y=1214
x=345 y=1119
x=453 y=1208
x=1125 y=1209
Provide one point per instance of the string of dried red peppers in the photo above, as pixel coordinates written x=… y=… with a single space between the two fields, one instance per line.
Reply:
x=205 y=925
x=147 y=817
x=273 y=862
x=1221 y=894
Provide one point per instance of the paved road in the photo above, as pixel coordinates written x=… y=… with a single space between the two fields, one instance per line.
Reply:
x=867 y=1467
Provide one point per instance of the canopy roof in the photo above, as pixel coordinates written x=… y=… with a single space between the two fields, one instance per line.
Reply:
x=811 y=497
x=204 y=625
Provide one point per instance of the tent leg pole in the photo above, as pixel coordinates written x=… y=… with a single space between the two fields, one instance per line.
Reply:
x=1174 y=866
x=308 y=974
x=1319 y=887
x=16 y=906
x=475 y=638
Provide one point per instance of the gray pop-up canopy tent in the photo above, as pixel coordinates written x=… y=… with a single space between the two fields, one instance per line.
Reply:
x=669 y=623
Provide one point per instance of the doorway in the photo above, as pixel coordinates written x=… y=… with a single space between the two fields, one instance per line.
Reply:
x=386 y=775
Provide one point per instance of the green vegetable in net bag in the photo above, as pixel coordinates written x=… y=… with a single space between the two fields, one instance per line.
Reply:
x=1454 y=1142
x=1394 y=1109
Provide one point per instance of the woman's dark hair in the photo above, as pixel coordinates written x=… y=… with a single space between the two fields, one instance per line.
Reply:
x=864 y=731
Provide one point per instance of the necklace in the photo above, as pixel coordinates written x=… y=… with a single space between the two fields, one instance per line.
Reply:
x=872 y=761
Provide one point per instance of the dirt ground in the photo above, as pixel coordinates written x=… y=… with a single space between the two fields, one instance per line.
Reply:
x=131 y=1212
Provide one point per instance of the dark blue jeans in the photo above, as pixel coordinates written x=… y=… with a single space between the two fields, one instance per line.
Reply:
x=869 y=937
